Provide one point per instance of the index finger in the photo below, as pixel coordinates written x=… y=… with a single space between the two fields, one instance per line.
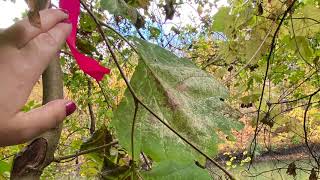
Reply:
x=22 y=32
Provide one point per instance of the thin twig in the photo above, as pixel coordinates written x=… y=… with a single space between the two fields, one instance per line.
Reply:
x=290 y=109
x=305 y=129
x=68 y=160
x=286 y=93
x=136 y=107
x=120 y=35
x=295 y=100
x=267 y=171
x=273 y=44
x=141 y=35
x=91 y=113
x=308 y=18
x=79 y=153
x=104 y=95
x=301 y=18
x=146 y=160
x=276 y=169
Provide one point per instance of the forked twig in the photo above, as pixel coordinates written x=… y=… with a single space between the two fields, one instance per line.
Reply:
x=273 y=44
x=305 y=129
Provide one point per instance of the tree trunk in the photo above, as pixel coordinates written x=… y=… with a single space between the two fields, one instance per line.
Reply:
x=30 y=162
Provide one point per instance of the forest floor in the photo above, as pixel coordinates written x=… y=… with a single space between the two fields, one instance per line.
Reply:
x=293 y=152
x=271 y=164
x=273 y=144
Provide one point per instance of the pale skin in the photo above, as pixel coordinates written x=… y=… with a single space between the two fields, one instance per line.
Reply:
x=25 y=52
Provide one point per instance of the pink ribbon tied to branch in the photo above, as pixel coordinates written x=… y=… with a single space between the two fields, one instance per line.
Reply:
x=87 y=65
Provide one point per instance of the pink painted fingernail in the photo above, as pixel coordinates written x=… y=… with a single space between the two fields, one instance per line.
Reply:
x=70 y=108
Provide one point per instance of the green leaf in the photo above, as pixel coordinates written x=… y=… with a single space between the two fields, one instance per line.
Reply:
x=121 y=8
x=85 y=46
x=305 y=25
x=299 y=44
x=304 y=47
x=253 y=46
x=31 y=105
x=222 y=19
x=252 y=98
x=155 y=32
x=99 y=138
x=86 y=23
x=112 y=171
x=190 y=100
x=174 y=170
x=4 y=167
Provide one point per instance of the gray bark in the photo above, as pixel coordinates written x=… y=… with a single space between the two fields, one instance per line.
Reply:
x=30 y=162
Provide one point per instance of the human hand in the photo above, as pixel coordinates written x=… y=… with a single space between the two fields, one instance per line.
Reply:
x=25 y=52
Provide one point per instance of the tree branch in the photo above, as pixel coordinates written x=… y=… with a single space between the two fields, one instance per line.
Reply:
x=79 y=153
x=30 y=162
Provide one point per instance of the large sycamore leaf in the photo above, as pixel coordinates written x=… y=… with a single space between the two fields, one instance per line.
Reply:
x=190 y=100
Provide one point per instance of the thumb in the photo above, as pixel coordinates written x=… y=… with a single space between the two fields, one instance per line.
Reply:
x=39 y=120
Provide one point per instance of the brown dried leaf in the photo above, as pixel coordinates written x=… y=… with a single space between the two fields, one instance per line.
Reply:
x=313 y=175
x=260 y=9
x=169 y=9
x=144 y=4
x=292 y=169
x=34 y=7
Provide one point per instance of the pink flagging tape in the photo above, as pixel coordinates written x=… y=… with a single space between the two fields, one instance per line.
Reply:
x=87 y=65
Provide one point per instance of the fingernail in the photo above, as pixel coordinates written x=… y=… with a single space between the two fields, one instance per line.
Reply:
x=70 y=108
x=64 y=10
x=67 y=21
